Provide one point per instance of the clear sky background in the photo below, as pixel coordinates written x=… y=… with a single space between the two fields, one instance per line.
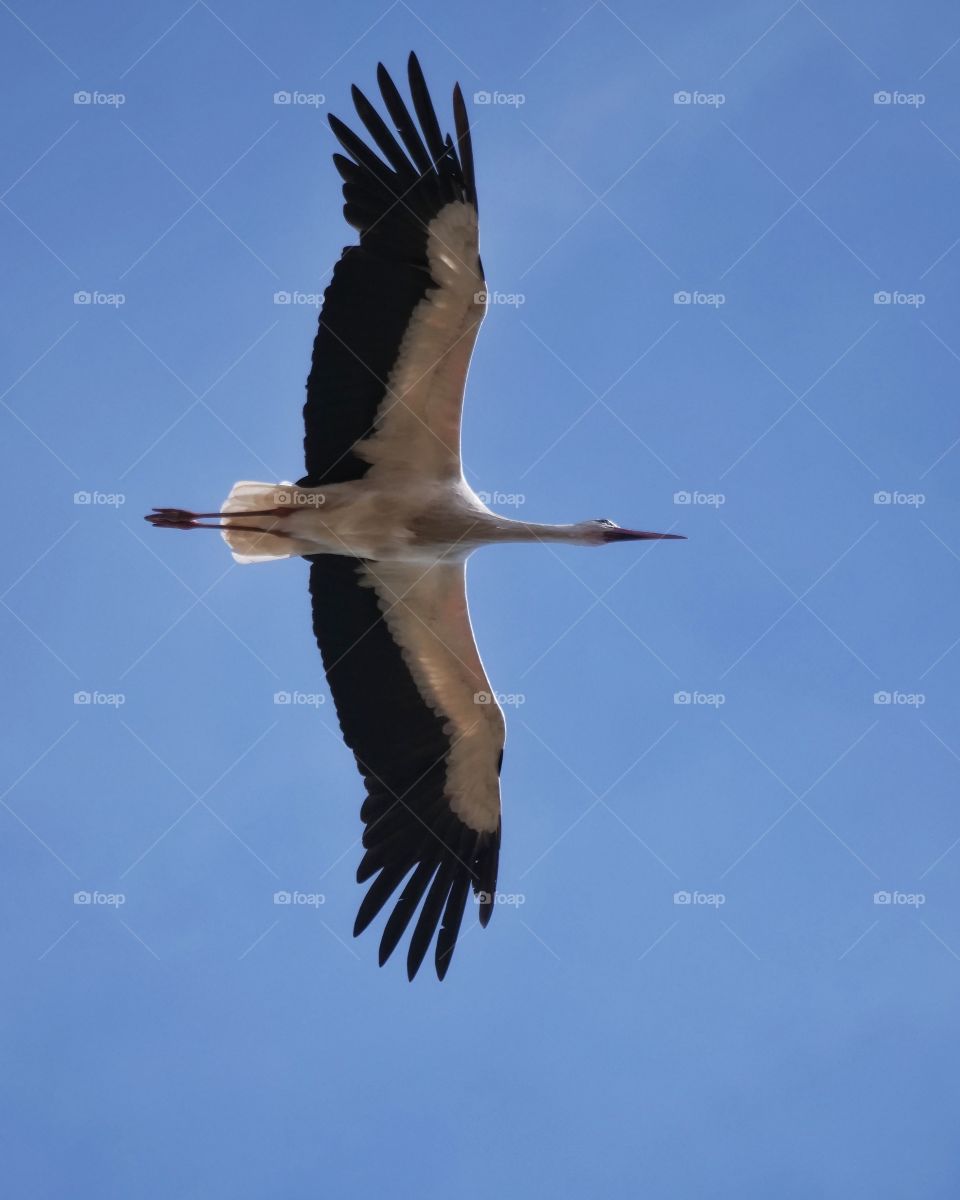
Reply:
x=783 y=1034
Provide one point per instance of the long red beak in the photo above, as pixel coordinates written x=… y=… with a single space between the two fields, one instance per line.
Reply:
x=636 y=535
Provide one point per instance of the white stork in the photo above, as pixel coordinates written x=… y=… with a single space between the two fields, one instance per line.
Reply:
x=387 y=521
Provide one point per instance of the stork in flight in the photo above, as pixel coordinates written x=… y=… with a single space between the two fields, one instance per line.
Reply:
x=387 y=521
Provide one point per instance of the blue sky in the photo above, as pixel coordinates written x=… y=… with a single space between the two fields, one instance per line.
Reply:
x=784 y=1032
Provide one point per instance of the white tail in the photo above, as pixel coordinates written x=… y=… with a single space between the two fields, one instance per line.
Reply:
x=247 y=547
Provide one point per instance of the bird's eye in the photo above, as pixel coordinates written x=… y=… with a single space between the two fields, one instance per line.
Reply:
x=606 y=521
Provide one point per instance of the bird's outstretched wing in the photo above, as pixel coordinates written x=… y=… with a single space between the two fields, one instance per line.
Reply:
x=416 y=708
x=402 y=311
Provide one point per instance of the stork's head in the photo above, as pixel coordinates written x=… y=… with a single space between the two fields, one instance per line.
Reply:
x=603 y=530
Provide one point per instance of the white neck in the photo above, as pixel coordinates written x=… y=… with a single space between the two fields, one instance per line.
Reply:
x=502 y=529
